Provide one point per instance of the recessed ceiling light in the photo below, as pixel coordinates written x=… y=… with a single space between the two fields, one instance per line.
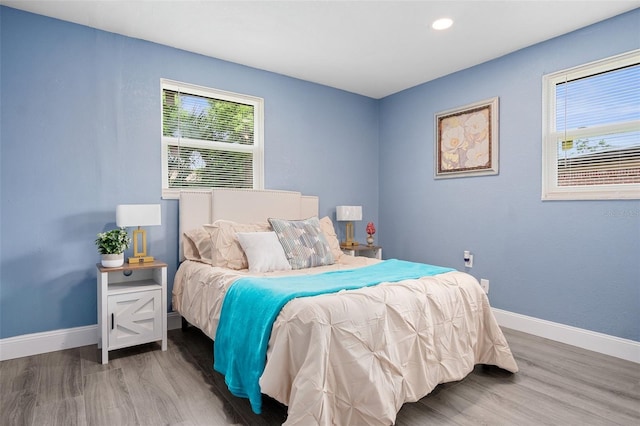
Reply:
x=442 y=24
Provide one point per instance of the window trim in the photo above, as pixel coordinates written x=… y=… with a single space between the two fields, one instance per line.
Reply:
x=550 y=189
x=257 y=148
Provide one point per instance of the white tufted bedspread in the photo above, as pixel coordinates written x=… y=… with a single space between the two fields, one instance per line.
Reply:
x=354 y=357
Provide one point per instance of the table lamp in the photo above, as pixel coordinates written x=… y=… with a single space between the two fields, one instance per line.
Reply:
x=349 y=214
x=138 y=215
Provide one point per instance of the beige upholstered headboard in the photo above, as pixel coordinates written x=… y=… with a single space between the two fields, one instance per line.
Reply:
x=198 y=207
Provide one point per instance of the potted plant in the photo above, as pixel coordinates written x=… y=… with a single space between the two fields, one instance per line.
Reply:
x=111 y=245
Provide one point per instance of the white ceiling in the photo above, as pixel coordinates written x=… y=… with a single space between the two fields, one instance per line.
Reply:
x=373 y=48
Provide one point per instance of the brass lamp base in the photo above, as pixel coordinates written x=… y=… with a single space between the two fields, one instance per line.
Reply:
x=141 y=259
x=140 y=254
x=350 y=241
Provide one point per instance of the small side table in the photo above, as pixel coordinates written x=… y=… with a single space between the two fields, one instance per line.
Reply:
x=132 y=306
x=363 y=250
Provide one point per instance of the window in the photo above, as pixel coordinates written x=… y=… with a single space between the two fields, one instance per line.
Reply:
x=210 y=138
x=591 y=131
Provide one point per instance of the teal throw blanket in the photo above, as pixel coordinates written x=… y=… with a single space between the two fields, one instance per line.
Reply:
x=252 y=304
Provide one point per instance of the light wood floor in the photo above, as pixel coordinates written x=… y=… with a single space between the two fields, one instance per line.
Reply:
x=557 y=385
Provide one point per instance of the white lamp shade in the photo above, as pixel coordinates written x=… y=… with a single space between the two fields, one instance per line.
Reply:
x=138 y=215
x=347 y=213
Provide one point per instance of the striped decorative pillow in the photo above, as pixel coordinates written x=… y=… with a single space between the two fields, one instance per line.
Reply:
x=303 y=242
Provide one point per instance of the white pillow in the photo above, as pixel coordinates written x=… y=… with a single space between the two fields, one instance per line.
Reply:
x=264 y=251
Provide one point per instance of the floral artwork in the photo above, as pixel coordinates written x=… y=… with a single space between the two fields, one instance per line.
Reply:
x=467 y=140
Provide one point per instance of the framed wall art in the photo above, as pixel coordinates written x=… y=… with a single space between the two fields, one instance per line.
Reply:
x=467 y=140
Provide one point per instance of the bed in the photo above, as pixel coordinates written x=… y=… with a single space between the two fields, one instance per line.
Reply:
x=344 y=357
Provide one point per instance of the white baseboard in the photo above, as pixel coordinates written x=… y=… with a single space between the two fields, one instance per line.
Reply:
x=49 y=341
x=585 y=339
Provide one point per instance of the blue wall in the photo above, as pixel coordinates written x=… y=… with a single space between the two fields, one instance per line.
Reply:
x=80 y=134
x=80 y=107
x=571 y=262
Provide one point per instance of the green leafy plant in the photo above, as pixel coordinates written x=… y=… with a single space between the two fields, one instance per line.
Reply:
x=115 y=241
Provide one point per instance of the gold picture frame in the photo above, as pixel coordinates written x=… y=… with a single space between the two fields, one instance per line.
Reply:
x=466 y=140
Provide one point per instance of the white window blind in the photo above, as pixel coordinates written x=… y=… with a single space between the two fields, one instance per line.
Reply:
x=210 y=138
x=591 y=147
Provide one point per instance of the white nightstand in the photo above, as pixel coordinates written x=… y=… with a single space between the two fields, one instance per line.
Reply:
x=363 y=250
x=132 y=306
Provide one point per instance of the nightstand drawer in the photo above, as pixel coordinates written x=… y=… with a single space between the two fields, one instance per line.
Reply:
x=134 y=318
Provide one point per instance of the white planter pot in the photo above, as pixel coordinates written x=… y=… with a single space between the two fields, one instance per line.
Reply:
x=112 y=260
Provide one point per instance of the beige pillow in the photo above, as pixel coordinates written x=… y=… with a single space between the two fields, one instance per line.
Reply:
x=225 y=250
x=326 y=225
x=195 y=244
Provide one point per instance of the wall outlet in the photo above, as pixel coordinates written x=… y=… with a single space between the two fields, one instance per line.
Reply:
x=485 y=285
x=468 y=259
